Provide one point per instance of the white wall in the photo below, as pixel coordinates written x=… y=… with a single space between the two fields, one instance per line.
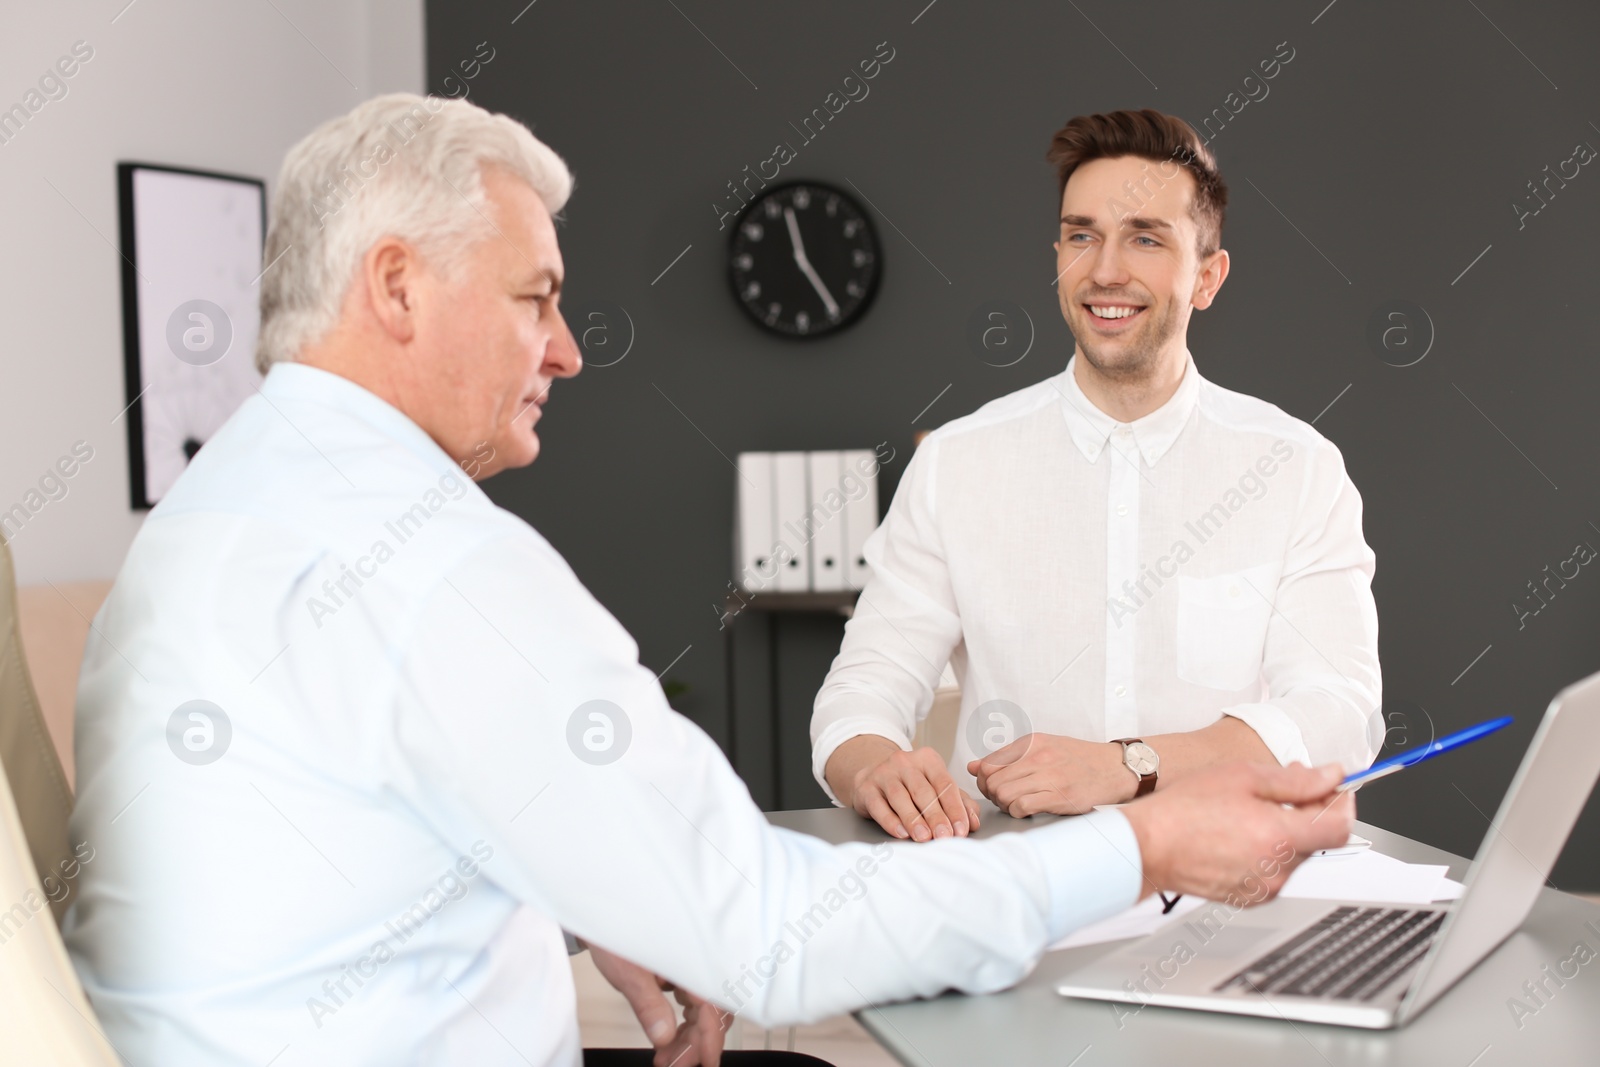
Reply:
x=197 y=83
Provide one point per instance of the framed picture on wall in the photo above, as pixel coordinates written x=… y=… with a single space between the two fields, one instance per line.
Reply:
x=191 y=258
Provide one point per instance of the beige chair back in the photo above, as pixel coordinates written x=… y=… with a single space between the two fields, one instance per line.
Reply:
x=48 y=1019
x=42 y=799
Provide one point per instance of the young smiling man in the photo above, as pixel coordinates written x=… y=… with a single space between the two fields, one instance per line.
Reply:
x=1134 y=573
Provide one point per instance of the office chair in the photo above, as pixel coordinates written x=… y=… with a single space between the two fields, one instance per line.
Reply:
x=49 y=1019
x=39 y=787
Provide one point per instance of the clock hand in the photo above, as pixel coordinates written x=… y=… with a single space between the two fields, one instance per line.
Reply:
x=804 y=263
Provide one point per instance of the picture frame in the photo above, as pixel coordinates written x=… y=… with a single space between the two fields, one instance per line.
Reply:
x=192 y=244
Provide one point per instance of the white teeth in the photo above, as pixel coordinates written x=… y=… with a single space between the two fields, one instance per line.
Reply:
x=1114 y=312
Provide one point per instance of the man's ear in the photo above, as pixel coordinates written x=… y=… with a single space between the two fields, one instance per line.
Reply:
x=392 y=271
x=1212 y=274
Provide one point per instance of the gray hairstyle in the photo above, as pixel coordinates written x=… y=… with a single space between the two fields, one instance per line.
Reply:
x=399 y=165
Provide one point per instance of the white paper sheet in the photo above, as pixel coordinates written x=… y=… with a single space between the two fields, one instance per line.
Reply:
x=1137 y=921
x=1366 y=876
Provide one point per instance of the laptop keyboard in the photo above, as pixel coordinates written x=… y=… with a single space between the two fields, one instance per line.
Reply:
x=1351 y=954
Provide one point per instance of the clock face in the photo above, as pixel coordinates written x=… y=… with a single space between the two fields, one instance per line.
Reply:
x=804 y=259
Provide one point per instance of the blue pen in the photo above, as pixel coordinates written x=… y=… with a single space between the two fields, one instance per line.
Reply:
x=1406 y=759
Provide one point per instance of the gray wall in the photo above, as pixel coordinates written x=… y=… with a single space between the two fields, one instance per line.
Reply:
x=1384 y=159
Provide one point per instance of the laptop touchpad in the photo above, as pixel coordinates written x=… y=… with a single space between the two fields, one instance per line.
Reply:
x=1233 y=941
x=1210 y=942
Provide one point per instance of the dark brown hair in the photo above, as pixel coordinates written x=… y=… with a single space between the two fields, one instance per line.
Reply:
x=1147 y=134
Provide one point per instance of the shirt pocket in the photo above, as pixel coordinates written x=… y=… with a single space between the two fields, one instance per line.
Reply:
x=1222 y=626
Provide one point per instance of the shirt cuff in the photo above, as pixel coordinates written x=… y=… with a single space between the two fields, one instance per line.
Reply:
x=574 y=946
x=1277 y=731
x=836 y=734
x=1092 y=867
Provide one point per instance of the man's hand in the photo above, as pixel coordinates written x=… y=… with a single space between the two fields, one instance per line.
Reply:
x=1225 y=833
x=697 y=1042
x=909 y=794
x=1062 y=775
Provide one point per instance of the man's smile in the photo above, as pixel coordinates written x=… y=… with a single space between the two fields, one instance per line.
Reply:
x=1113 y=318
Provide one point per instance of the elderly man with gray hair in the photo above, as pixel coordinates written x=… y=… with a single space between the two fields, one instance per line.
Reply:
x=355 y=746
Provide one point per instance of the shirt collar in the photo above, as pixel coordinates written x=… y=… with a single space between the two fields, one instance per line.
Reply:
x=1153 y=434
x=299 y=383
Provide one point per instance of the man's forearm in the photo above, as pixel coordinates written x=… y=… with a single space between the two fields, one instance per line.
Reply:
x=1224 y=741
x=852 y=757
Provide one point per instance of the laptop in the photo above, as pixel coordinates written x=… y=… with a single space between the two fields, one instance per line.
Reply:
x=1360 y=964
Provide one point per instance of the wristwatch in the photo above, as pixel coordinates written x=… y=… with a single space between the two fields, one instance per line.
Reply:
x=1142 y=760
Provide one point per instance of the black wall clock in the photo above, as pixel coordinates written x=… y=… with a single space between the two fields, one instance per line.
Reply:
x=804 y=259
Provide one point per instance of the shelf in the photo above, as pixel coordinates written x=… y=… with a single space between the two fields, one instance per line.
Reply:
x=842 y=603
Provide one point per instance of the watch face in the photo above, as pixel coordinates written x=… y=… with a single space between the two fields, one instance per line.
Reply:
x=1140 y=758
x=804 y=259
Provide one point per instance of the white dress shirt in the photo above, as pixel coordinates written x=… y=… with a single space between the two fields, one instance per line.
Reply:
x=1104 y=580
x=434 y=751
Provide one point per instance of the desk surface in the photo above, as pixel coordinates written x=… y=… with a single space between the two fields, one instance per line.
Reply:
x=1472 y=1025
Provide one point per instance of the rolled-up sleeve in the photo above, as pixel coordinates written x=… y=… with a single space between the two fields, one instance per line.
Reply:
x=905 y=625
x=1321 y=656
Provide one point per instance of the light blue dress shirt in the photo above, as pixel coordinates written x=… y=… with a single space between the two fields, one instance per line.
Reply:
x=355 y=745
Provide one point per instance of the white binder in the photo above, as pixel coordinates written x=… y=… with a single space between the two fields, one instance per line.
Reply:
x=753 y=528
x=794 y=549
x=825 y=522
x=860 y=513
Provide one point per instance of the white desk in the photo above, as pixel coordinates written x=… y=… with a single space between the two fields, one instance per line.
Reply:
x=1470 y=1026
